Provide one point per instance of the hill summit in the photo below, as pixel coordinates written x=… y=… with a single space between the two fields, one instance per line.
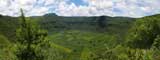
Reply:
x=51 y=14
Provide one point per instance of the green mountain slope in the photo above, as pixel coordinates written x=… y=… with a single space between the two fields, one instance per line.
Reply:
x=54 y=23
x=96 y=24
x=81 y=38
x=8 y=26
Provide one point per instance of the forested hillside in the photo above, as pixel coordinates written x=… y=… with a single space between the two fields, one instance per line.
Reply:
x=52 y=37
x=54 y=23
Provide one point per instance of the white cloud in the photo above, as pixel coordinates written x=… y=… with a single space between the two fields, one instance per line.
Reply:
x=101 y=3
x=30 y=7
x=132 y=8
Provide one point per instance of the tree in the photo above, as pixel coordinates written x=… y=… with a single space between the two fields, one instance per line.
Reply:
x=156 y=43
x=1 y=16
x=144 y=32
x=101 y=22
x=29 y=40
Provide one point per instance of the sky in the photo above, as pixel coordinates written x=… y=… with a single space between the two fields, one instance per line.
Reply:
x=127 y=8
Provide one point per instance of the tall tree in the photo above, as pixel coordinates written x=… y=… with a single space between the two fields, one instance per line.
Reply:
x=145 y=32
x=29 y=37
x=101 y=22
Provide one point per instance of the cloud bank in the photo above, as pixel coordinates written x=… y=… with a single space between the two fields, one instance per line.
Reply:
x=128 y=8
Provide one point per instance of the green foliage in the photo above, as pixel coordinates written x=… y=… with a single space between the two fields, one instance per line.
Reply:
x=6 y=49
x=144 y=32
x=8 y=27
x=124 y=53
x=95 y=24
x=156 y=55
x=102 y=22
x=29 y=39
x=79 y=45
x=3 y=41
x=85 y=54
x=156 y=43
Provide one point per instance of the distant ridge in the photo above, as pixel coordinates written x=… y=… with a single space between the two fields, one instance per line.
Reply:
x=50 y=14
x=0 y=15
x=54 y=23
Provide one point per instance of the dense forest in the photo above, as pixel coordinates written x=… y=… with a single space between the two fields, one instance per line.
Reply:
x=52 y=37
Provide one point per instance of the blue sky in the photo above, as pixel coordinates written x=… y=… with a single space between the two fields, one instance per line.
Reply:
x=78 y=2
x=127 y=8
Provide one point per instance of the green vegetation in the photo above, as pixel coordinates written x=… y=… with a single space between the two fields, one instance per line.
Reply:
x=30 y=39
x=144 y=32
x=79 y=38
x=8 y=27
